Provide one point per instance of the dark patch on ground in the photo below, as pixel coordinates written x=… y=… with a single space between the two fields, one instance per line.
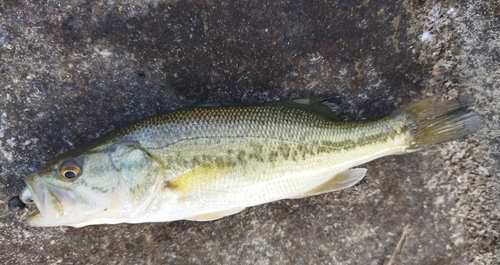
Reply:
x=215 y=51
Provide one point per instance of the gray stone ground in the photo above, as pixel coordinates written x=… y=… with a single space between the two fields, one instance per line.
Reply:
x=72 y=70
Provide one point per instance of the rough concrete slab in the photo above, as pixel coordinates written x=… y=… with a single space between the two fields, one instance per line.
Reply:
x=72 y=70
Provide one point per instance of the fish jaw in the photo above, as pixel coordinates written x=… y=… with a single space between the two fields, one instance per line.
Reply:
x=49 y=200
x=58 y=206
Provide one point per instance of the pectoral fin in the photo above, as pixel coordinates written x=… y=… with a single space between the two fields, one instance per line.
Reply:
x=200 y=176
x=340 y=181
x=215 y=215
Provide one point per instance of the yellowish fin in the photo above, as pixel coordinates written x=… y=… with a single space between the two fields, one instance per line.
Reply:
x=199 y=176
x=340 y=181
x=215 y=215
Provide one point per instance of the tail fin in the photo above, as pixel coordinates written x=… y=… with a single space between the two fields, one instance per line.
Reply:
x=436 y=122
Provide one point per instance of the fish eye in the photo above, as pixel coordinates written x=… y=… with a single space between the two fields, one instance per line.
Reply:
x=70 y=173
x=70 y=170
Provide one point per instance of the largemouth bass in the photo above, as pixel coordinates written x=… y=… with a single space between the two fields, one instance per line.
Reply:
x=204 y=163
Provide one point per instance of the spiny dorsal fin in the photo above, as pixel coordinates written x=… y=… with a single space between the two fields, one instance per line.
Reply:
x=331 y=108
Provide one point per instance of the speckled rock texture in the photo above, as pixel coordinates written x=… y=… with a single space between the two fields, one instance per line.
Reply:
x=71 y=71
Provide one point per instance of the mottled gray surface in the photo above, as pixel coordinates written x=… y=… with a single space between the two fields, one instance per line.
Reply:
x=72 y=70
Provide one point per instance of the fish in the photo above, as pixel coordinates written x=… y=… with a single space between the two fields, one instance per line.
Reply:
x=207 y=162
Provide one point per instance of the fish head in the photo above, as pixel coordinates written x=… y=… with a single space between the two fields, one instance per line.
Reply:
x=73 y=190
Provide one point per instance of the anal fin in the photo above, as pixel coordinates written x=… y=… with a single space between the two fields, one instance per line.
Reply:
x=340 y=181
x=215 y=215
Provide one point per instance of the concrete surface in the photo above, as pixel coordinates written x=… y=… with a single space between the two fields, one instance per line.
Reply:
x=72 y=70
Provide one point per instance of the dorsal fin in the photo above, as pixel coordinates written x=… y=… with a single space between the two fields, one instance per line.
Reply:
x=332 y=108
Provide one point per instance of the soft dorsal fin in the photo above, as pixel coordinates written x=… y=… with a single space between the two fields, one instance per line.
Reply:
x=340 y=181
x=331 y=108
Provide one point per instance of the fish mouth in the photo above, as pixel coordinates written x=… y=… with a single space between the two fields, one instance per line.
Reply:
x=49 y=201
